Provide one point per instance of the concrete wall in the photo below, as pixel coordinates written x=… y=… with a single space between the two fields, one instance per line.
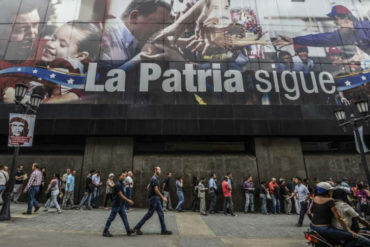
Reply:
x=279 y=157
x=335 y=166
x=188 y=166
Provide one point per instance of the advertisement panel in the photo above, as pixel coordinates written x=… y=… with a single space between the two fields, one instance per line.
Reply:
x=207 y=52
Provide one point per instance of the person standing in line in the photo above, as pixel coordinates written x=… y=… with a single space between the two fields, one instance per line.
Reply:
x=227 y=196
x=263 y=192
x=180 y=194
x=167 y=192
x=69 y=190
x=89 y=188
x=285 y=197
x=363 y=200
x=230 y=182
x=20 y=177
x=40 y=196
x=32 y=188
x=118 y=206
x=249 y=189
x=64 y=180
x=302 y=194
x=155 y=204
x=109 y=185
x=54 y=189
x=96 y=180
x=4 y=178
x=129 y=183
x=202 y=196
x=274 y=192
x=195 y=203
x=213 y=191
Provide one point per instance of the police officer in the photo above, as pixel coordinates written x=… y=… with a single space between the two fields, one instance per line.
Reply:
x=351 y=32
x=118 y=206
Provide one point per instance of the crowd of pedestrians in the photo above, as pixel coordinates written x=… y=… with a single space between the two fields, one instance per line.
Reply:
x=277 y=196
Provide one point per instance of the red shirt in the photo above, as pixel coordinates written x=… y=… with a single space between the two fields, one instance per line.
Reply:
x=226 y=189
x=272 y=187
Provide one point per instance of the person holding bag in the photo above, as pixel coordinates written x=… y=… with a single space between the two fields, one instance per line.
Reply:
x=54 y=189
x=264 y=196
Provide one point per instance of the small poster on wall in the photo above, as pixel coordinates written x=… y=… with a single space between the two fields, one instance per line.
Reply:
x=21 y=129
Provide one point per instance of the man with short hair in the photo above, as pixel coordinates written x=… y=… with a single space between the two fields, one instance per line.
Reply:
x=274 y=190
x=69 y=190
x=89 y=188
x=213 y=191
x=226 y=189
x=166 y=188
x=64 y=179
x=301 y=61
x=202 y=196
x=126 y=36
x=118 y=206
x=155 y=204
x=32 y=188
x=129 y=183
x=96 y=180
x=20 y=176
x=249 y=189
x=302 y=193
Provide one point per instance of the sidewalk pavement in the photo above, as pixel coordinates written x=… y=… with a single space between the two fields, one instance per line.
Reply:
x=83 y=228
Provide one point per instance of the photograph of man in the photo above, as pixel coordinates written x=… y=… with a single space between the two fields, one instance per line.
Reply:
x=18 y=127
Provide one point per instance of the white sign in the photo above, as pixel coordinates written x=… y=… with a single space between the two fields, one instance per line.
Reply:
x=21 y=129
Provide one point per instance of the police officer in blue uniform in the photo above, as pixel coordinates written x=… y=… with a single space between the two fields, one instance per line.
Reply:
x=118 y=206
x=351 y=32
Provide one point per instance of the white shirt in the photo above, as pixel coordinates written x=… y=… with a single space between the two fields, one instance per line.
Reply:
x=301 y=191
x=95 y=179
x=346 y=212
x=4 y=177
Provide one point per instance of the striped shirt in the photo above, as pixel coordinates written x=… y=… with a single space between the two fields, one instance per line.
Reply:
x=35 y=179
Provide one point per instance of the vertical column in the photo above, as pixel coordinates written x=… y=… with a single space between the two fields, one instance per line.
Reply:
x=279 y=157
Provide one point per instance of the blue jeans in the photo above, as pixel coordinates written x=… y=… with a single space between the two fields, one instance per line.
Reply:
x=129 y=196
x=302 y=213
x=180 y=195
x=249 y=201
x=117 y=210
x=95 y=199
x=263 y=203
x=87 y=197
x=154 y=205
x=31 y=198
x=333 y=234
x=275 y=204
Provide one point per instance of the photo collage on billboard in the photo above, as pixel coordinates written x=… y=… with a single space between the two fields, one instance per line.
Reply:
x=206 y=52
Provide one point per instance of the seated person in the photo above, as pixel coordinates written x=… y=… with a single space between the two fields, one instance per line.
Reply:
x=324 y=209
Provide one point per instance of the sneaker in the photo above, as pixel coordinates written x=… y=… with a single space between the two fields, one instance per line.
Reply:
x=234 y=215
x=88 y=208
x=36 y=209
x=138 y=231
x=166 y=233
x=130 y=232
x=298 y=225
x=59 y=211
x=107 y=234
x=204 y=214
x=26 y=213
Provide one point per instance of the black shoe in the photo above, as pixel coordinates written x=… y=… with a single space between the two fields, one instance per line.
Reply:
x=26 y=213
x=88 y=208
x=129 y=232
x=107 y=234
x=138 y=232
x=298 y=225
x=166 y=233
x=36 y=209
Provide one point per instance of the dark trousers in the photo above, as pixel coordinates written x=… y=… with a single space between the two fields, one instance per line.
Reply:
x=304 y=208
x=154 y=205
x=107 y=198
x=32 y=192
x=129 y=196
x=195 y=204
x=117 y=210
x=228 y=205
x=213 y=202
x=333 y=234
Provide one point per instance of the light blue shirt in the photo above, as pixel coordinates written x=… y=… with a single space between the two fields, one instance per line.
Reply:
x=71 y=182
x=212 y=184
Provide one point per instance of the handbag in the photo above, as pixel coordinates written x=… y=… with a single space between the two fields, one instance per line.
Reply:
x=268 y=196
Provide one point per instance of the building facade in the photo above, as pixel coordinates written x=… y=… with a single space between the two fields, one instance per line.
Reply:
x=196 y=87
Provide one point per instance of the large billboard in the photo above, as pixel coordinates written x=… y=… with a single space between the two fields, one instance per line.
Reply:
x=208 y=52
